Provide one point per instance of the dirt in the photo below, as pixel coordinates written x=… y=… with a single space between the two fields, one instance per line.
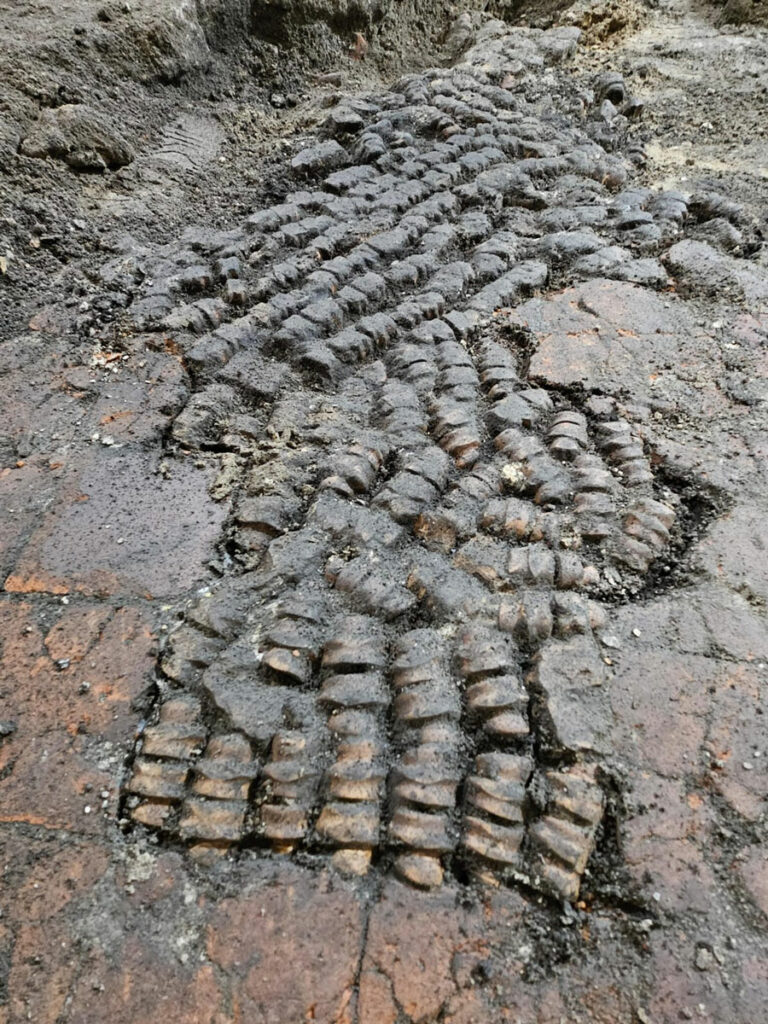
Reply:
x=197 y=95
x=384 y=554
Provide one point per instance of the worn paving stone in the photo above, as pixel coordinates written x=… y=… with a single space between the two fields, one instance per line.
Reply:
x=255 y=935
x=49 y=878
x=117 y=527
x=414 y=945
x=71 y=721
x=25 y=491
x=141 y=989
x=734 y=551
x=609 y=336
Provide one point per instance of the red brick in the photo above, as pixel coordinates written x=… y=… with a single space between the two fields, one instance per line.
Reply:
x=147 y=878
x=469 y=1007
x=168 y=528
x=678 y=987
x=49 y=878
x=660 y=701
x=44 y=966
x=57 y=877
x=737 y=738
x=140 y=989
x=291 y=948
x=413 y=938
x=735 y=550
x=664 y=840
x=675 y=869
x=604 y=1003
x=615 y=337
x=532 y=1004
x=376 y=1004
x=76 y=632
x=61 y=734
x=24 y=494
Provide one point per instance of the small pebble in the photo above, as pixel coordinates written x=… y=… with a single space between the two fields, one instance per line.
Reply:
x=703 y=959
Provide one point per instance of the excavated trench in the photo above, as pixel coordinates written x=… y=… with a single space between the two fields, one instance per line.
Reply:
x=419 y=501
x=459 y=362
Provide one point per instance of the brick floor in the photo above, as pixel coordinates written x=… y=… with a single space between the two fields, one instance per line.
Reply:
x=110 y=533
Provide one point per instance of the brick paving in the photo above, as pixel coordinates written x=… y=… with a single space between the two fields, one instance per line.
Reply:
x=292 y=592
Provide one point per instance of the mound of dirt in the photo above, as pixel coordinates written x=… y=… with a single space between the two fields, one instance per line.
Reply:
x=80 y=136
